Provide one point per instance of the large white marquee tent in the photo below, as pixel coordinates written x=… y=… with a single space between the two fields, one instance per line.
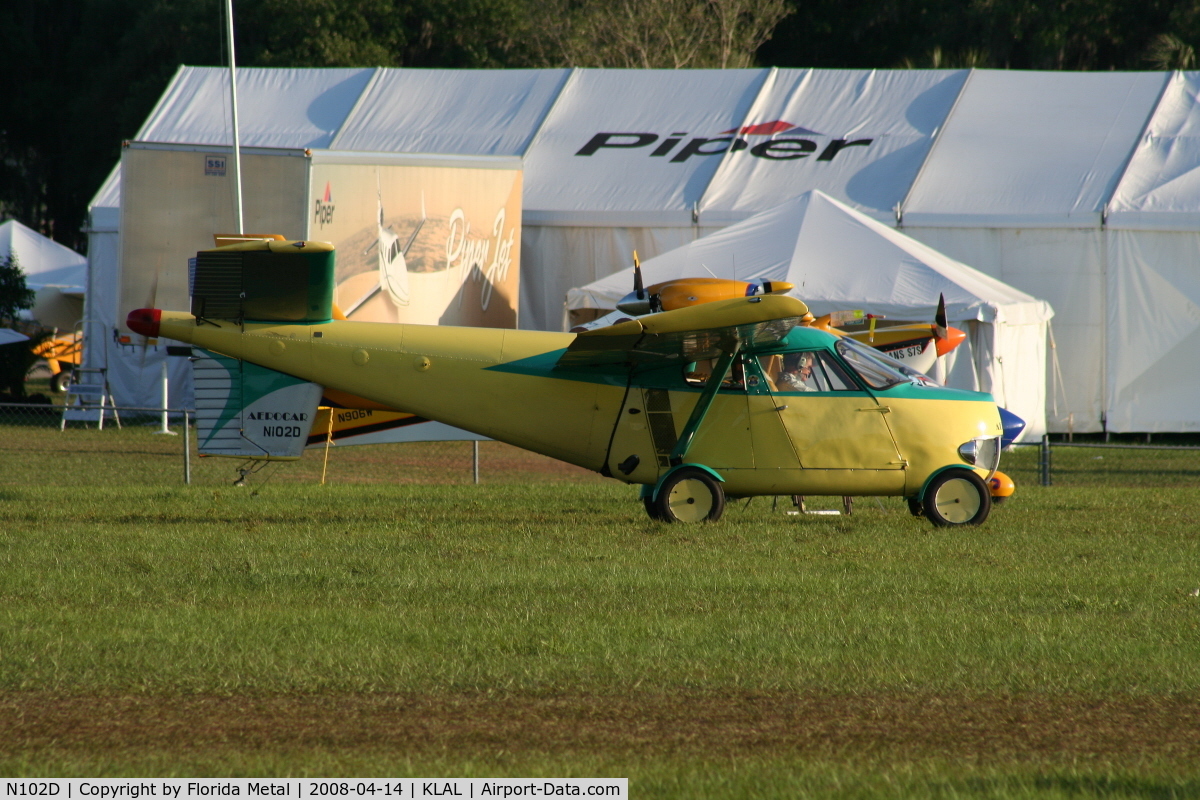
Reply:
x=1076 y=188
x=56 y=274
x=838 y=257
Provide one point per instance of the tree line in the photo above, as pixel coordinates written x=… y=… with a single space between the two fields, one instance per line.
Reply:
x=82 y=75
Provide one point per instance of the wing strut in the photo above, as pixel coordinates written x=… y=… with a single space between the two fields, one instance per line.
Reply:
x=724 y=364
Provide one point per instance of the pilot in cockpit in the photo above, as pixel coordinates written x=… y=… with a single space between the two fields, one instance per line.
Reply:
x=797 y=373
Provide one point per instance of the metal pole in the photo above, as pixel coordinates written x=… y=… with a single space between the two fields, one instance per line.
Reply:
x=1045 y=459
x=165 y=396
x=475 y=458
x=187 y=450
x=237 y=154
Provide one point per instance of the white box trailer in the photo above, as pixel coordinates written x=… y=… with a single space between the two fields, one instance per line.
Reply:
x=419 y=239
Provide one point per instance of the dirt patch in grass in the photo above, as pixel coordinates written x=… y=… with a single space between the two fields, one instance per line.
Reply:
x=985 y=730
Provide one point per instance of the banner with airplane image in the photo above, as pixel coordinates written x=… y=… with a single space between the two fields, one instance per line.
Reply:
x=431 y=241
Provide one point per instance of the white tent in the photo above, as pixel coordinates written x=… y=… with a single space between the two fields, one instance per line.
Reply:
x=839 y=258
x=1153 y=284
x=687 y=152
x=1016 y=186
x=1073 y=187
x=56 y=274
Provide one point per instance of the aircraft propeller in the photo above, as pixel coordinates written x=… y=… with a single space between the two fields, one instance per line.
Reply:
x=151 y=302
x=947 y=338
x=639 y=291
x=640 y=301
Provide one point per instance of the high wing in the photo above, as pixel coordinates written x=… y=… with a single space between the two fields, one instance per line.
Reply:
x=686 y=334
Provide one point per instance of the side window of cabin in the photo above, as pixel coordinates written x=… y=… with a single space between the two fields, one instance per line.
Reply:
x=699 y=373
x=806 y=371
x=874 y=368
x=835 y=374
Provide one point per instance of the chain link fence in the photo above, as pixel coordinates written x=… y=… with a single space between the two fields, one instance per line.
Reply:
x=134 y=443
x=36 y=445
x=1120 y=460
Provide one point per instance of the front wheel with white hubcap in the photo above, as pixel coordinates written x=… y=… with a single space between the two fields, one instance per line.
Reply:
x=651 y=508
x=957 y=497
x=689 y=495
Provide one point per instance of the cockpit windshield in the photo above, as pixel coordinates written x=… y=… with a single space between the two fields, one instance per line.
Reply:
x=877 y=370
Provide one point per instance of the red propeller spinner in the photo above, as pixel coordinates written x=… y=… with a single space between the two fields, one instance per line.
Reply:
x=145 y=321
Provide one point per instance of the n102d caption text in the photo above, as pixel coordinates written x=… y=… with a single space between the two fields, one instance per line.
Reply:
x=370 y=788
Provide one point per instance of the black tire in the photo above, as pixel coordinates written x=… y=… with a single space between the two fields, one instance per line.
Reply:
x=690 y=495
x=60 y=382
x=957 y=497
x=651 y=509
x=915 y=508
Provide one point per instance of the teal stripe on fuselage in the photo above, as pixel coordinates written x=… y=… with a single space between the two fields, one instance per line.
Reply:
x=542 y=366
x=927 y=392
x=670 y=376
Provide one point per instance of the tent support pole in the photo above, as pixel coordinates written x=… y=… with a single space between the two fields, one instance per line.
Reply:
x=237 y=150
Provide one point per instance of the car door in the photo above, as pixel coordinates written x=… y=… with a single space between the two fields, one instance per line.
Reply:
x=723 y=439
x=834 y=423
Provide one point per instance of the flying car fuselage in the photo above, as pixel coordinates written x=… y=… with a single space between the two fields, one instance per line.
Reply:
x=761 y=437
x=736 y=388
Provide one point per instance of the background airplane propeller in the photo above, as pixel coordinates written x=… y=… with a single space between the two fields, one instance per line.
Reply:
x=947 y=338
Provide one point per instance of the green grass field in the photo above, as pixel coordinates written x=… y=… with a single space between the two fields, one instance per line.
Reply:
x=399 y=621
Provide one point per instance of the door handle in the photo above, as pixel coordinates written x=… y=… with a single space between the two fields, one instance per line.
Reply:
x=880 y=409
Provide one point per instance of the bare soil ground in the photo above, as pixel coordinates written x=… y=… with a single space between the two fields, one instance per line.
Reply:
x=1035 y=729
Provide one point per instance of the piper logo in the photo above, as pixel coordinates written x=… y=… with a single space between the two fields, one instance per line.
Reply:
x=323 y=209
x=787 y=142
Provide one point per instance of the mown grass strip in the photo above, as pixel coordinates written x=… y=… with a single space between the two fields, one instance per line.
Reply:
x=552 y=629
x=545 y=588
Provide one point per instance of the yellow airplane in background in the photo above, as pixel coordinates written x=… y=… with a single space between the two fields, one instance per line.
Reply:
x=918 y=345
x=731 y=398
